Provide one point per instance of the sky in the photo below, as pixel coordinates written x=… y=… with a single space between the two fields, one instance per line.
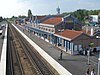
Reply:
x=9 y=8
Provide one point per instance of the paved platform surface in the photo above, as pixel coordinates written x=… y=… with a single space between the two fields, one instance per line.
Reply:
x=1 y=43
x=76 y=64
x=3 y=50
x=1 y=38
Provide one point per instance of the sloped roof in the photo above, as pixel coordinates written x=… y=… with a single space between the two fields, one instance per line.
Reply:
x=71 y=17
x=53 y=20
x=69 y=34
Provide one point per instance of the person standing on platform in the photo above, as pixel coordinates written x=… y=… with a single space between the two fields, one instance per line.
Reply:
x=61 y=55
x=93 y=72
x=87 y=72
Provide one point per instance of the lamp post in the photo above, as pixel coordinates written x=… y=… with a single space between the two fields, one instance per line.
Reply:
x=88 y=53
x=61 y=44
x=98 y=37
x=99 y=63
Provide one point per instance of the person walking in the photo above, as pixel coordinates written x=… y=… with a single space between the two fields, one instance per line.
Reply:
x=87 y=72
x=93 y=72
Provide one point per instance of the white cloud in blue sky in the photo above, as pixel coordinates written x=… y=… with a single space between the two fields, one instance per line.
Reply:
x=9 y=8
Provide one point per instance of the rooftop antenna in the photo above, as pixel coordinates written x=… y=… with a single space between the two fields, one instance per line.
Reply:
x=58 y=8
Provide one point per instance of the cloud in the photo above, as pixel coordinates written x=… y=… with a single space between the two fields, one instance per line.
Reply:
x=9 y=8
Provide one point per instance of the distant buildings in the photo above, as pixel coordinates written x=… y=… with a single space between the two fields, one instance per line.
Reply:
x=99 y=19
x=94 y=20
x=20 y=21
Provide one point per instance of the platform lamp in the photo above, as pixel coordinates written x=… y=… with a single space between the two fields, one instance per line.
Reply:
x=60 y=44
x=98 y=37
x=89 y=52
x=99 y=63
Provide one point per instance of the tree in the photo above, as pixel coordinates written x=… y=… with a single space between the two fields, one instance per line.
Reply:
x=81 y=14
x=22 y=16
x=1 y=19
x=29 y=13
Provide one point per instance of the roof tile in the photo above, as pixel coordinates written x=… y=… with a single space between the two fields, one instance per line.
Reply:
x=53 y=20
x=69 y=33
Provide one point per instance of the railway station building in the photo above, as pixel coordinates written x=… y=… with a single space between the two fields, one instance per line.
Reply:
x=63 y=32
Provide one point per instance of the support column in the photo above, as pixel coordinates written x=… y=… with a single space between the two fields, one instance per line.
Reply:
x=71 y=48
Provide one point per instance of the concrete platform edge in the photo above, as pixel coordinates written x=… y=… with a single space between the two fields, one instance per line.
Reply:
x=3 y=54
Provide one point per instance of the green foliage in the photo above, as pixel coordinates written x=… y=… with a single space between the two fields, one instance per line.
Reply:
x=22 y=16
x=29 y=13
x=12 y=19
x=82 y=13
x=1 y=19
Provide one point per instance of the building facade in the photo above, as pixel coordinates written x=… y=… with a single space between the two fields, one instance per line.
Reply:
x=63 y=32
x=72 y=41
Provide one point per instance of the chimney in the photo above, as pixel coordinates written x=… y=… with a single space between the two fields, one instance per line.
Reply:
x=86 y=29
x=92 y=31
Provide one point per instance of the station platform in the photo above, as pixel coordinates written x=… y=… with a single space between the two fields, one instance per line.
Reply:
x=3 y=48
x=75 y=64
x=2 y=34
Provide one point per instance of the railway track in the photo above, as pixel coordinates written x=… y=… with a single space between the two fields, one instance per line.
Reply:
x=28 y=62
x=13 y=62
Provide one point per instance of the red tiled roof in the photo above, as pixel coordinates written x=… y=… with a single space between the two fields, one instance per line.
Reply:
x=70 y=34
x=53 y=20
